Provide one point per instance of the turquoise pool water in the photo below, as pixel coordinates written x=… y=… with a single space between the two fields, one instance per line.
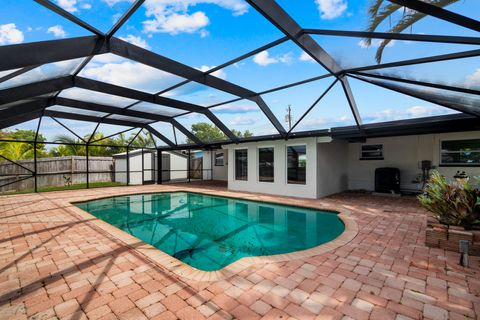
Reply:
x=210 y=232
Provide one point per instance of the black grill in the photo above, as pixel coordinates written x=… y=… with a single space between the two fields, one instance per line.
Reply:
x=387 y=180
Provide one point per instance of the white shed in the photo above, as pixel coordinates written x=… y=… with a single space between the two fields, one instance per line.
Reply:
x=135 y=166
x=174 y=166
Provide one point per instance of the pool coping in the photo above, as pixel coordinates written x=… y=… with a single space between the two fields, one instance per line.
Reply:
x=184 y=270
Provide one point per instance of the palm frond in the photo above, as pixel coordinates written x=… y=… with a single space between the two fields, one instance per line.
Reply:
x=405 y=22
x=379 y=17
x=63 y=138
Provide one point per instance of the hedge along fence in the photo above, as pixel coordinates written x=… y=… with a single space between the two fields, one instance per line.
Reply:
x=59 y=171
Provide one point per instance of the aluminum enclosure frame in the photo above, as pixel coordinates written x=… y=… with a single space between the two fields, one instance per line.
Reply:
x=33 y=100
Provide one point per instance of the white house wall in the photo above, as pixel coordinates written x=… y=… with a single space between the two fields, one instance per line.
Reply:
x=280 y=185
x=332 y=171
x=404 y=153
x=219 y=172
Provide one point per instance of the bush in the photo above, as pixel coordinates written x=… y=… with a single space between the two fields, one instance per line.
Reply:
x=452 y=203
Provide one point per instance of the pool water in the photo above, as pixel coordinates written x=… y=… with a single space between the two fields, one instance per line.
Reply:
x=210 y=232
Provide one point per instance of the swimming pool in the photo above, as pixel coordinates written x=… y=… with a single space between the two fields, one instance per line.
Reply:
x=210 y=232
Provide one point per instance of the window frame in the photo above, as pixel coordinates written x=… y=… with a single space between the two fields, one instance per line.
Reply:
x=235 y=164
x=286 y=163
x=362 y=158
x=456 y=164
x=215 y=158
x=258 y=163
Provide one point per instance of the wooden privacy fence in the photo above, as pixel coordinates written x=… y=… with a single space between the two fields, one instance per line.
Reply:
x=57 y=171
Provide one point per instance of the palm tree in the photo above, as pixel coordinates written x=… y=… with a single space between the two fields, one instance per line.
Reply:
x=69 y=146
x=16 y=151
x=144 y=139
x=380 y=10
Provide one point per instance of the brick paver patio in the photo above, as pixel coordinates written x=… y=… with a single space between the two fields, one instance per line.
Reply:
x=53 y=264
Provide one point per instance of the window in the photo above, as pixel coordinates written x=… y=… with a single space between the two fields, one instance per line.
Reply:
x=371 y=152
x=241 y=164
x=219 y=159
x=296 y=164
x=460 y=152
x=265 y=164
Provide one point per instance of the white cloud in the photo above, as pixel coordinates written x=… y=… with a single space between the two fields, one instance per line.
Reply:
x=473 y=80
x=126 y=74
x=73 y=5
x=264 y=59
x=331 y=9
x=137 y=41
x=95 y=97
x=86 y=6
x=47 y=71
x=243 y=121
x=66 y=65
x=375 y=43
x=9 y=34
x=68 y=5
x=104 y=58
x=305 y=57
x=418 y=111
x=285 y=58
x=57 y=31
x=219 y=73
x=111 y=3
x=178 y=23
x=173 y=16
x=236 y=108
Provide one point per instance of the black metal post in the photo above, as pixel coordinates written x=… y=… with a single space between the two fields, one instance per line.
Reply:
x=88 y=167
x=159 y=167
x=211 y=164
x=128 y=167
x=188 y=165
x=35 y=164
x=143 y=168
x=35 y=154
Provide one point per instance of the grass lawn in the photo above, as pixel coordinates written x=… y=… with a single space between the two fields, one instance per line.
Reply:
x=71 y=187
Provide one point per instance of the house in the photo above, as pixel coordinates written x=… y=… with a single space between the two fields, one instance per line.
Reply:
x=315 y=167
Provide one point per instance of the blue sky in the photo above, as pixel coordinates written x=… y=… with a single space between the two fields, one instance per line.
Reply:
x=206 y=33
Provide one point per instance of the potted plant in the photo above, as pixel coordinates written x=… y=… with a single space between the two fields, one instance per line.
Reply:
x=452 y=203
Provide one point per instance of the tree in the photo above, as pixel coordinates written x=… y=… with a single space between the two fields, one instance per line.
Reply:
x=208 y=133
x=69 y=147
x=380 y=10
x=16 y=151
x=76 y=147
x=245 y=134
x=21 y=150
x=143 y=140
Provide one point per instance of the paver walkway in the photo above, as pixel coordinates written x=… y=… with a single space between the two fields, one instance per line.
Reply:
x=53 y=264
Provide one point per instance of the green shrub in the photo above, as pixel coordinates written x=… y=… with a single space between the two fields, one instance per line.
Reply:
x=452 y=203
